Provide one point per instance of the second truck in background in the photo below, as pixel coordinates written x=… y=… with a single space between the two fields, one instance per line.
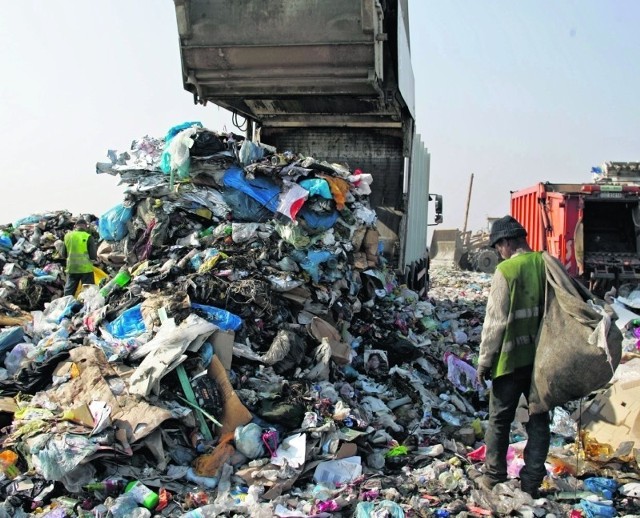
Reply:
x=592 y=228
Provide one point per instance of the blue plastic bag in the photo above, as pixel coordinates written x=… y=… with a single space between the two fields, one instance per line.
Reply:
x=261 y=189
x=220 y=317
x=245 y=208
x=113 y=223
x=10 y=337
x=317 y=187
x=318 y=221
x=311 y=264
x=5 y=241
x=128 y=324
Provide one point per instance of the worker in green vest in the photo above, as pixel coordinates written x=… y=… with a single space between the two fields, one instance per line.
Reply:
x=79 y=250
x=515 y=308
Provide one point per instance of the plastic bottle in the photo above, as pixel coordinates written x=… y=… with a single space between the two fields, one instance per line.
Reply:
x=8 y=461
x=142 y=494
x=109 y=486
x=121 y=279
x=208 y=482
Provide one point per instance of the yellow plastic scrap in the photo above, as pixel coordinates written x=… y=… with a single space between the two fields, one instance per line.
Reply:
x=211 y=262
x=140 y=268
x=30 y=428
x=29 y=413
x=74 y=371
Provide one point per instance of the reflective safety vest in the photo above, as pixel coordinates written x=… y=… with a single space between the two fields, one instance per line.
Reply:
x=78 y=260
x=526 y=278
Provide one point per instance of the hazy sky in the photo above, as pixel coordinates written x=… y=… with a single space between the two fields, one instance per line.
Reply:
x=514 y=92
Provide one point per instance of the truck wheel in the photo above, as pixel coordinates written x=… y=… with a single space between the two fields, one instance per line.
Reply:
x=486 y=260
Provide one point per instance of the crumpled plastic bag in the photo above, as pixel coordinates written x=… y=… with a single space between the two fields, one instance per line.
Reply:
x=128 y=324
x=112 y=225
x=248 y=440
x=292 y=201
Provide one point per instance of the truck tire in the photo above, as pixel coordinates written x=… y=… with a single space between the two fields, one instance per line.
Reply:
x=486 y=260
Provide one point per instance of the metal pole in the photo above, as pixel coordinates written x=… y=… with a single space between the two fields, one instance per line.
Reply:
x=466 y=212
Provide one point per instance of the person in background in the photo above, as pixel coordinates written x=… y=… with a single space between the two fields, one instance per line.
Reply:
x=79 y=250
x=515 y=308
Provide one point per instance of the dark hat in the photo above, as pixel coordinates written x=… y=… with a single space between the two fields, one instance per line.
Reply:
x=505 y=228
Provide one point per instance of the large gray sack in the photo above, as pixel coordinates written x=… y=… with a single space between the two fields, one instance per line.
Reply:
x=578 y=344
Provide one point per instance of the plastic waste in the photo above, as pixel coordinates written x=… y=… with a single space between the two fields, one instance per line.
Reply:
x=602 y=486
x=249 y=442
x=382 y=508
x=109 y=486
x=8 y=460
x=121 y=279
x=79 y=476
x=14 y=359
x=631 y=489
x=142 y=494
x=460 y=373
x=292 y=201
x=5 y=241
x=261 y=189
x=599 y=509
x=220 y=317
x=10 y=337
x=128 y=324
x=250 y=152
x=208 y=482
x=112 y=225
x=124 y=506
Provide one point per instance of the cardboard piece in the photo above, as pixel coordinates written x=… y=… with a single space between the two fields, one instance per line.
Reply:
x=8 y=404
x=347 y=449
x=223 y=347
x=132 y=416
x=613 y=417
x=340 y=351
x=234 y=413
x=370 y=246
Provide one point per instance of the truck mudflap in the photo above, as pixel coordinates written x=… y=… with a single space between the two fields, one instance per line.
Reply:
x=416 y=277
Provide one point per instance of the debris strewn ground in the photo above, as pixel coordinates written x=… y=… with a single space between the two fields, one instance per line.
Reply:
x=251 y=352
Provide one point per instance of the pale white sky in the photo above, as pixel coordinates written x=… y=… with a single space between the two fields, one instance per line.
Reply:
x=515 y=92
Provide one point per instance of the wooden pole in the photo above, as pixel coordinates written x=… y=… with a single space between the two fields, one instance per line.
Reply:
x=466 y=212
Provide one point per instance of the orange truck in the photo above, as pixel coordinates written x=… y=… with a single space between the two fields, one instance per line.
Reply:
x=592 y=228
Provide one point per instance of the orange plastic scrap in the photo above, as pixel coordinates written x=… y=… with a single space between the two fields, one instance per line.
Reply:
x=339 y=189
x=209 y=465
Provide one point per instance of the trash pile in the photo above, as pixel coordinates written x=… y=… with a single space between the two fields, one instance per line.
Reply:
x=31 y=265
x=252 y=354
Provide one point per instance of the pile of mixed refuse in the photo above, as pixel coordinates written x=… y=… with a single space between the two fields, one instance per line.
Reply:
x=247 y=350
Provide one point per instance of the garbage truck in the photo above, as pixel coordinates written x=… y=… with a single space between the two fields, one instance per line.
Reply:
x=592 y=228
x=332 y=80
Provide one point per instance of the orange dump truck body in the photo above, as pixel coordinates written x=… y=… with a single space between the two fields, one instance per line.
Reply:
x=591 y=228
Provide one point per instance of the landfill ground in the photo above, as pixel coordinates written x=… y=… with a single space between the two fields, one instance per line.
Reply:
x=248 y=350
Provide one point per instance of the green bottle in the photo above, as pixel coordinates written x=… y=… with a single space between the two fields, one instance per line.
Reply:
x=142 y=494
